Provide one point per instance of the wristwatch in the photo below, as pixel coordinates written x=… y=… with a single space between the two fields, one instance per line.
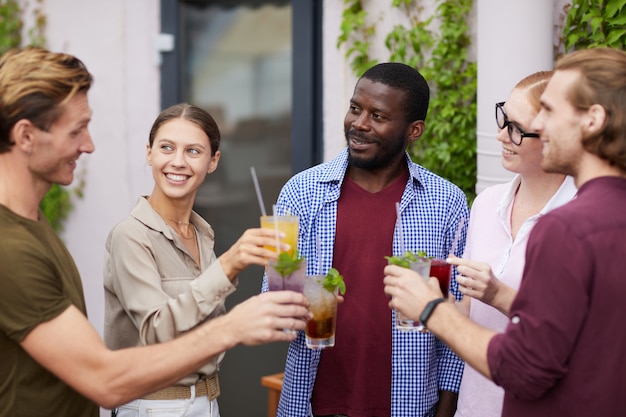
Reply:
x=428 y=310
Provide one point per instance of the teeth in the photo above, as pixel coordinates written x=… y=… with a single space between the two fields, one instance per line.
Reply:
x=507 y=152
x=175 y=177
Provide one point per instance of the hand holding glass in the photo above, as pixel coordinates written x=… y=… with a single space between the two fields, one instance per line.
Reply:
x=286 y=224
x=422 y=266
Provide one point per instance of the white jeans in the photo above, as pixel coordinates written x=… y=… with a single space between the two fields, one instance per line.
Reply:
x=192 y=407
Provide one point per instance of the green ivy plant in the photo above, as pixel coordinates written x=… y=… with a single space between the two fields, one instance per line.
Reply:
x=10 y=25
x=595 y=23
x=448 y=147
x=57 y=204
x=355 y=30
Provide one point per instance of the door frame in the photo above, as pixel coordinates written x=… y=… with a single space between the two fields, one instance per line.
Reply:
x=307 y=60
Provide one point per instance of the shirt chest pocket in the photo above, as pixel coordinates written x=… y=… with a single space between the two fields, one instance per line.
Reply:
x=175 y=286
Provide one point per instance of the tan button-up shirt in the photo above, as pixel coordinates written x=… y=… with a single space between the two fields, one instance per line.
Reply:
x=154 y=291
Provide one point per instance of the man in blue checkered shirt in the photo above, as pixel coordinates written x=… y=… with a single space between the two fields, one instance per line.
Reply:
x=347 y=210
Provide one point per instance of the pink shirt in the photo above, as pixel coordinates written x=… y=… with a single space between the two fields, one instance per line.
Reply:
x=489 y=240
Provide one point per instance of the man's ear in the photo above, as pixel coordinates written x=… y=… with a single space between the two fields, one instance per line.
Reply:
x=23 y=134
x=415 y=130
x=594 y=119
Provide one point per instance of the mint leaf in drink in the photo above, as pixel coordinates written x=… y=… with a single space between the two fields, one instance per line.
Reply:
x=397 y=260
x=334 y=279
x=406 y=259
x=288 y=264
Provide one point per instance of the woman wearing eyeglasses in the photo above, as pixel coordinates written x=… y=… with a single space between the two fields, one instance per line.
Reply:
x=501 y=219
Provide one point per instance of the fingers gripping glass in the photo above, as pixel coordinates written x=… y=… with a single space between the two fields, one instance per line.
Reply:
x=516 y=134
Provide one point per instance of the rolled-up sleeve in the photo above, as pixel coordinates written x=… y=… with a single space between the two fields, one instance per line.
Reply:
x=546 y=318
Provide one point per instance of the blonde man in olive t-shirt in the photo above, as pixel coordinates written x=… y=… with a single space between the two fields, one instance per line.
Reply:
x=52 y=361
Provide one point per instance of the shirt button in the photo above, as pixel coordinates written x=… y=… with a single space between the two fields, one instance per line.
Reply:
x=515 y=319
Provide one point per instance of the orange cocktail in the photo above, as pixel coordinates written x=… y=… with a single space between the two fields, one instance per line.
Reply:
x=286 y=224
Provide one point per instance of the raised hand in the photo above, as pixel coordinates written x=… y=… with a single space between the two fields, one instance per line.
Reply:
x=409 y=291
x=249 y=250
x=477 y=280
x=263 y=318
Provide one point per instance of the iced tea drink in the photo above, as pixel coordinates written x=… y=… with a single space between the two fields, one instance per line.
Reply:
x=286 y=224
x=320 y=330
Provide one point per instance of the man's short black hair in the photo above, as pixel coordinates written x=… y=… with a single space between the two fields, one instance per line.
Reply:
x=405 y=78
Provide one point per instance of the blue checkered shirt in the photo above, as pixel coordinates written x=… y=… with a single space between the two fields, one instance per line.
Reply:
x=431 y=209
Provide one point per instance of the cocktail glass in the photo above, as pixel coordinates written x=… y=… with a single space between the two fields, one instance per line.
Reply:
x=405 y=324
x=286 y=224
x=320 y=330
x=293 y=281
x=441 y=270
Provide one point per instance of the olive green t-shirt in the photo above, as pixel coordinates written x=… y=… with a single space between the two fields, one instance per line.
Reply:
x=38 y=281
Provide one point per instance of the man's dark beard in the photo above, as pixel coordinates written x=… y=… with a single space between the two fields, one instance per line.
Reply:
x=383 y=159
x=367 y=164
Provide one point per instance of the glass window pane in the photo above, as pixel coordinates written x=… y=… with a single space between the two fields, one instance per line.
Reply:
x=237 y=65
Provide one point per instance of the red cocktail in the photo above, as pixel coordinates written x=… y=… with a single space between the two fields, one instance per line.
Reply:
x=441 y=270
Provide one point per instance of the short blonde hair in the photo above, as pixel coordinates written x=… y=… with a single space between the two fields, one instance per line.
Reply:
x=602 y=80
x=35 y=84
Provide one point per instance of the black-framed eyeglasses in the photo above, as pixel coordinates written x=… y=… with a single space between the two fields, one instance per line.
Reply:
x=516 y=134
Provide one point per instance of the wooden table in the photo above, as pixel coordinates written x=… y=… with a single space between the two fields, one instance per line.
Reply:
x=274 y=384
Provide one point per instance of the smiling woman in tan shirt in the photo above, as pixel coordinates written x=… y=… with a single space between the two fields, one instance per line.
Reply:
x=161 y=275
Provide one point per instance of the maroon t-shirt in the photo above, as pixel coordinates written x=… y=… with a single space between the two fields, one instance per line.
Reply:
x=354 y=376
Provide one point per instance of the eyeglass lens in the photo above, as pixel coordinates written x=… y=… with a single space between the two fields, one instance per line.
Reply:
x=515 y=133
x=501 y=119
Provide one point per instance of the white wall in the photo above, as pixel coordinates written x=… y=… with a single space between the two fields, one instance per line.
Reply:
x=338 y=81
x=114 y=38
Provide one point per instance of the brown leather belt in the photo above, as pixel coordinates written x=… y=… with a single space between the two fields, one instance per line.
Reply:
x=209 y=387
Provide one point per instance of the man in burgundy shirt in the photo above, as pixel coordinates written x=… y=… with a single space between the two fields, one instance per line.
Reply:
x=563 y=350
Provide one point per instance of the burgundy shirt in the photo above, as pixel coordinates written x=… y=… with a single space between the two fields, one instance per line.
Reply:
x=564 y=350
x=354 y=376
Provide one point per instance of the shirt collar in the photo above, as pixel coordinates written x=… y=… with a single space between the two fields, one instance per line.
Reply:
x=146 y=214
x=565 y=193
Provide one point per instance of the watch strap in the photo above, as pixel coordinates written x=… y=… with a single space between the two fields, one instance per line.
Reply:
x=428 y=310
